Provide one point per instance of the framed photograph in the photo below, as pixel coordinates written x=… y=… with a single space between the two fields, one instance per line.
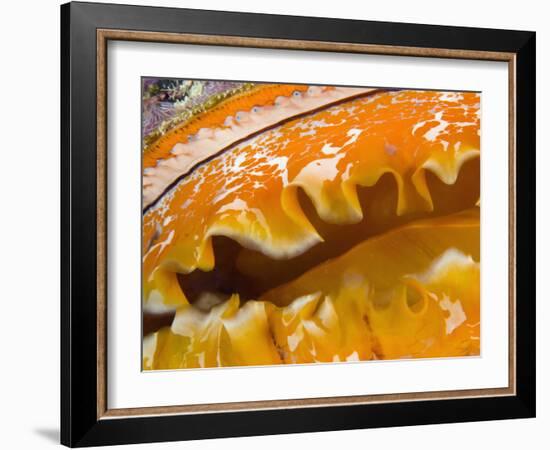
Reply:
x=277 y=224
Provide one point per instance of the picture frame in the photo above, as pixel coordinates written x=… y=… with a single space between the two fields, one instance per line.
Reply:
x=86 y=30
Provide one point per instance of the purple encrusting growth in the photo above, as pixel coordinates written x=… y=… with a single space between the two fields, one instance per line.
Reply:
x=164 y=98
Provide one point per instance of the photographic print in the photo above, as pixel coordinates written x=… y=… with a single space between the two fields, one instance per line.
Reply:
x=293 y=224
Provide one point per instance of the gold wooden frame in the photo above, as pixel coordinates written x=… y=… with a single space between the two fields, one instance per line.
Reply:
x=103 y=36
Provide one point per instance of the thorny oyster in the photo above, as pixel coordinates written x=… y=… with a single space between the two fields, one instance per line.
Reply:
x=298 y=224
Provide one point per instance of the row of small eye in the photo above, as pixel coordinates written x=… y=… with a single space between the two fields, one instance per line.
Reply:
x=257 y=109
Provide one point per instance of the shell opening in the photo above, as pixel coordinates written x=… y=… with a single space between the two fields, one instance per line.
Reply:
x=251 y=273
